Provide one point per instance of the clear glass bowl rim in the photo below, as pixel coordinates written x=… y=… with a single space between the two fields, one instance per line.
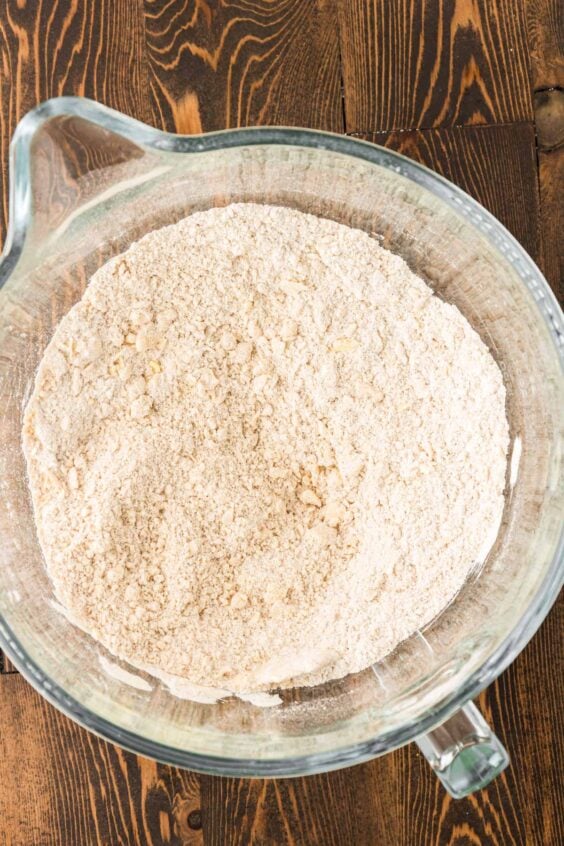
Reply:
x=20 y=213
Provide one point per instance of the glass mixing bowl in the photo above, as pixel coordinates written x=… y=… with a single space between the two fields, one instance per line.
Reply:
x=85 y=183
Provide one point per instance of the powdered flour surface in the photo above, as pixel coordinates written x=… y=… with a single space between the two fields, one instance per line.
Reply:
x=261 y=451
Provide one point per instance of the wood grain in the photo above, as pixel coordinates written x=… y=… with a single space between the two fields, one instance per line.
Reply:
x=551 y=180
x=495 y=164
x=411 y=64
x=545 y=25
x=216 y=65
x=6 y=665
x=79 y=790
x=545 y=20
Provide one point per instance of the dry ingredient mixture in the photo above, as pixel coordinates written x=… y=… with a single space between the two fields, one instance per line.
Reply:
x=261 y=451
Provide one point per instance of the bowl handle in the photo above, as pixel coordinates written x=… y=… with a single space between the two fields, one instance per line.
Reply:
x=464 y=752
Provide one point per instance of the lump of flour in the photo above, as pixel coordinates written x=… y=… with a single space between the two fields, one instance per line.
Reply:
x=261 y=451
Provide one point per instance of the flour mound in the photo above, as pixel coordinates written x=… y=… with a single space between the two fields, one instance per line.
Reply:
x=261 y=451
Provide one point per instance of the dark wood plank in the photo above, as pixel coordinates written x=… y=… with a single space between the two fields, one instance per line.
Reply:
x=6 y=665
x=427 y=63
x=525 y=705
x=218 y=65
x=62 y=786
x=551 y=180
x=495 y=164
x=545 y=22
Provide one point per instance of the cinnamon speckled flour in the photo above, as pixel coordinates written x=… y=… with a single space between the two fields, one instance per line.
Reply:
x=261 y=451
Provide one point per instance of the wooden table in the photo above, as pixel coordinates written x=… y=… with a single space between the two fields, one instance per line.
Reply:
x=472 y=88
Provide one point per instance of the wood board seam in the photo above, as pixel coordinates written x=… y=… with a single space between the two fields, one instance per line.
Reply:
x=3 y=670
x=360 y=133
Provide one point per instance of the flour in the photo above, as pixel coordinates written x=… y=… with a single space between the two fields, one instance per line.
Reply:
x=261 y=451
